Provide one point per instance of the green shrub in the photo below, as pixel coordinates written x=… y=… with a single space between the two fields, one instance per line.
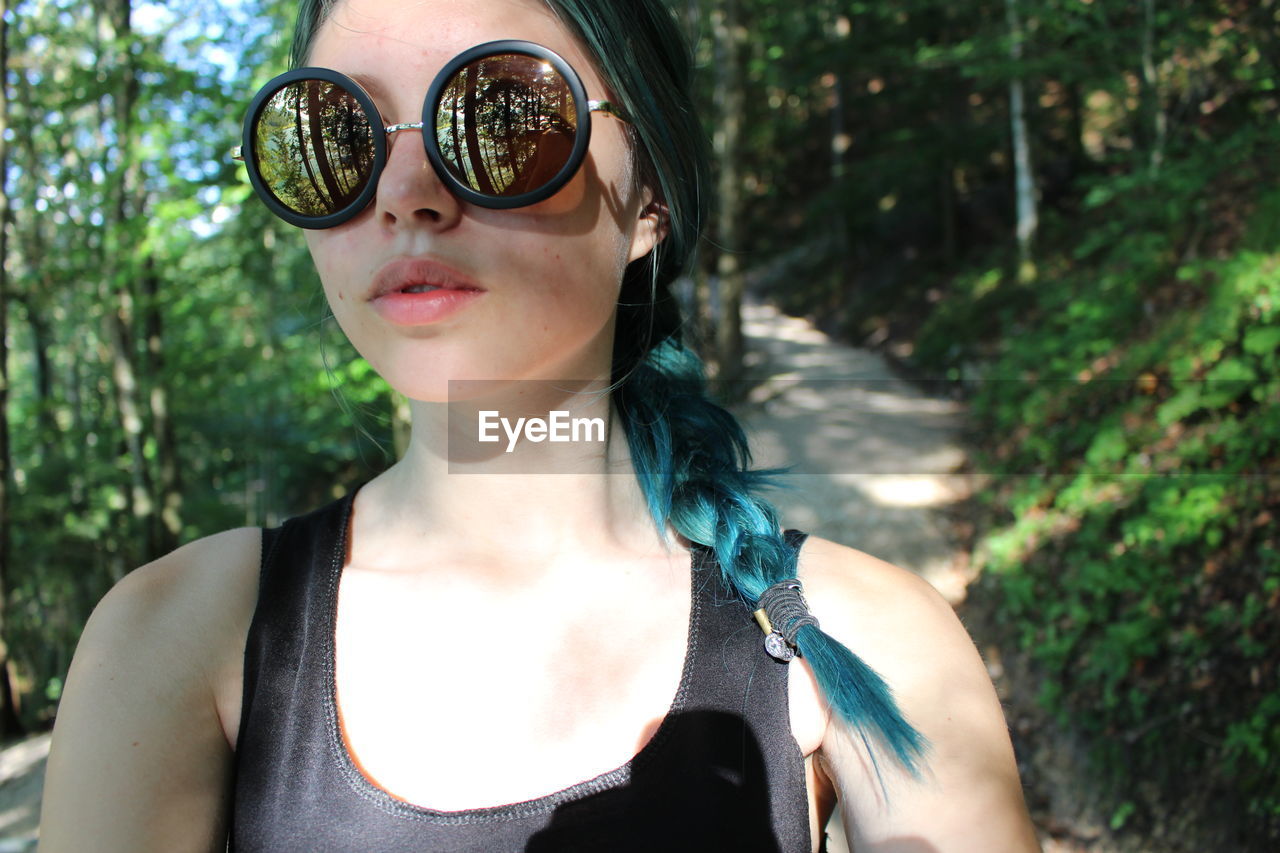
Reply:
x=1127 y=406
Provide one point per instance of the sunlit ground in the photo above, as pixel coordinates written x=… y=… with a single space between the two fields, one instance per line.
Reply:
x=872 y=458
x=21 y=780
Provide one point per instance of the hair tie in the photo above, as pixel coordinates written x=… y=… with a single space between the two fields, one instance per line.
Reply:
x=783 y=612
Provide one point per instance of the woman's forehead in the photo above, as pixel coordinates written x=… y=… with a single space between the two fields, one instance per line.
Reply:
x=428 y=33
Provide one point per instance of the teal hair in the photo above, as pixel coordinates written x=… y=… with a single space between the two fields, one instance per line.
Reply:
x=690 y=455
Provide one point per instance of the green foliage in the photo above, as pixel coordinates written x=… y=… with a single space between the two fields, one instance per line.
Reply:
x=172 y=366
x=1126 y=401
x=1127 y=407
x=1125 y=396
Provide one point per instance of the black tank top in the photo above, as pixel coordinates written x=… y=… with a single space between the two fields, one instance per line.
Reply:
x=722 y=773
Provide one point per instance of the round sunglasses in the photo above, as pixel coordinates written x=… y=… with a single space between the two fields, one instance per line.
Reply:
x=505 y=124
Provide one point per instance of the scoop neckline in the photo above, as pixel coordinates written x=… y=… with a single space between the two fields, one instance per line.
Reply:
x=368 y=790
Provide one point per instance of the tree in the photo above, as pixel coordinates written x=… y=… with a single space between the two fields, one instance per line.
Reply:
x=10 y=724
x=1024 y=180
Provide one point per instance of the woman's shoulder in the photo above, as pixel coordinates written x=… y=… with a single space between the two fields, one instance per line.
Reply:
x=195 y=603
x=141 y=754
x=898 y=623
x=908 y=633
x=193 y=588
x=864 y=597
x=208 y=560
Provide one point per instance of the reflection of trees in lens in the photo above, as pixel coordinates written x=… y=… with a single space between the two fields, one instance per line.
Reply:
x=314 y=147
x=475 y=155
x=506 y=124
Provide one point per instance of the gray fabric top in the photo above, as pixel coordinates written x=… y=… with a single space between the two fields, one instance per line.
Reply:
x=722 y=772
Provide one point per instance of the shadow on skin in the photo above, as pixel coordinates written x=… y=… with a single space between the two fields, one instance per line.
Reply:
x=704 y=787
x=905 y=845
x=700 y=785
x=575 y=209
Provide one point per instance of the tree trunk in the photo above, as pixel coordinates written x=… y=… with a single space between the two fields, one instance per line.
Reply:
x=1076 y=109
x=1024 y=182
x=29 y=242
x=41 y=342
x=10 y=724
x=838 y=30
x=401 y=424
x=729 y=109
x=169 y=486
x=704 y=313
x=1155 y=120
x=948 y=206
x=121 y=274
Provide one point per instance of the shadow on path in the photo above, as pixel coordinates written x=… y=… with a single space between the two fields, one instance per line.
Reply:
x=873 y=458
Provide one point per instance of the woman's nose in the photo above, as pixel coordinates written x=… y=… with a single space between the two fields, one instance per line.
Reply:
x=409 y=190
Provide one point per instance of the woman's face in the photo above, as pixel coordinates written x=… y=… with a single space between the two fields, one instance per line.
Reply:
x=532 y=291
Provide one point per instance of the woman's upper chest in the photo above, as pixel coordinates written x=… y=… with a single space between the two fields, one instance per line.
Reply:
x=382 y=715
x=553 y=683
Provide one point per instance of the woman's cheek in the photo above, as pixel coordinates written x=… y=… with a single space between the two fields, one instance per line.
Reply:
x=341 y=286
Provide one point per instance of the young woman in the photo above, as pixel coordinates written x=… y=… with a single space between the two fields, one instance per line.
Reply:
x=521 y=643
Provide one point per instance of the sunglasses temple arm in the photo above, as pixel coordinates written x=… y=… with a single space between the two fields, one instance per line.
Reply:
x=608 y=109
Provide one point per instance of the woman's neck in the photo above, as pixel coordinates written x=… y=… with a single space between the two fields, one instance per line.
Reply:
x=533 y=471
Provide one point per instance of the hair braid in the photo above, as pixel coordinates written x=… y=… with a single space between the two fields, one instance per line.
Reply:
x=693 y=463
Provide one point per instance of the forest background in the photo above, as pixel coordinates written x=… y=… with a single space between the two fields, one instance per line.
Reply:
x=1066 y=212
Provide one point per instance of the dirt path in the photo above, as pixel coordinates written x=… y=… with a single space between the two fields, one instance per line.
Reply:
x=21 y=779
x=871 y=456
x=872 y=461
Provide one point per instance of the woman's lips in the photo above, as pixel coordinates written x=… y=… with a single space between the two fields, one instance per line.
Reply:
x=418 y=292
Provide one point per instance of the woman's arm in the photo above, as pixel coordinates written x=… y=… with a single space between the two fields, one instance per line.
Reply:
x=140 y=759
x=969 y=797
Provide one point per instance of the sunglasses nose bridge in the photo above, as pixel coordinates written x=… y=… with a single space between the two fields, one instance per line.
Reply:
x=408 y=187
x=396 y=128
x=412 y=125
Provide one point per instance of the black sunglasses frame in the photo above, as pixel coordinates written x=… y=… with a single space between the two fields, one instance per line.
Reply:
x=582 y=138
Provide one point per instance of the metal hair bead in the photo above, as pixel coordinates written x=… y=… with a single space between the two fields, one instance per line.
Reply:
x=777 y=647
x=783 y=612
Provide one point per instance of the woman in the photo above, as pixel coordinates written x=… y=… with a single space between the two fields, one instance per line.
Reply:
x=479 y=650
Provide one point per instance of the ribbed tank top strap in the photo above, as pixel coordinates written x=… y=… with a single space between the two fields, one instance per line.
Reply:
x=281 y=747
x=743 y=680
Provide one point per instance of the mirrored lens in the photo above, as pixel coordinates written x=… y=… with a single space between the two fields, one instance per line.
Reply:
x=313 y=147
x=506 y=124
